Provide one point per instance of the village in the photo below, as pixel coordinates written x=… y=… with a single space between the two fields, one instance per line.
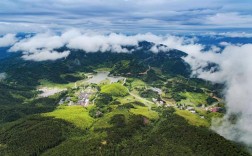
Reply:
x=84 y=94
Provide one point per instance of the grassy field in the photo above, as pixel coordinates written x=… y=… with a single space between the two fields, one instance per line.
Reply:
x=127 y=99
x=139 y=110
x=194 y=98
x=46 y=83
x=193 y=119
x=138 y=84
x=76 y=115
x=104 y=121
x=115 y=89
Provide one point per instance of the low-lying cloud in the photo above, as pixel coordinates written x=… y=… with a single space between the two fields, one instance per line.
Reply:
x=47 y=43
x=235 y=70
x=43 y=46
x=7 y=40
x=45 y=55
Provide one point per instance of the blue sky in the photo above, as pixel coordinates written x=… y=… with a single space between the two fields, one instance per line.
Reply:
x=126 y=16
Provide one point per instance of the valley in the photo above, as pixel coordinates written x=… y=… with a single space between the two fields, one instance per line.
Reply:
x=112 y=104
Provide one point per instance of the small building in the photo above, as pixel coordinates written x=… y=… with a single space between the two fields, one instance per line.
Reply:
x=193 y=111
x=98 y=114
x=70 y=103
x=154 y=100
x=61 y=101
x=86 y=102
x=216 y=109
x=189 y=108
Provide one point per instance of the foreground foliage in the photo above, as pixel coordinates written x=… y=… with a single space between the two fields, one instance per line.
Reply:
x=127 y=134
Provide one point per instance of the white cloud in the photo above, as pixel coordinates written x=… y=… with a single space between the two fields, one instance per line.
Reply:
x=236 y=34
x=88 y=41
x=231 y=19
x=45 y=55
x=28 y=27
x=39 y=41
x=224 y=44
x=7 y=40
x=236 y=72
x=41 y=47
x=93 y=43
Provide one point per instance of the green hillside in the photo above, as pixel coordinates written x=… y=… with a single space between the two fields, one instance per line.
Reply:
x=128 y=134
x=114 y=89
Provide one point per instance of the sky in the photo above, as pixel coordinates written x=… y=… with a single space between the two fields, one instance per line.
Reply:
x=126 y=16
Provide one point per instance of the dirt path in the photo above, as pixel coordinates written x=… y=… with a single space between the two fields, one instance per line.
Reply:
x=146 y=102
x=146 y=72
x=124 y=81
x=49 y=91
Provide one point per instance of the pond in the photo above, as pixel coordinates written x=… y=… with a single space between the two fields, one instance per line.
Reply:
x=100 y=76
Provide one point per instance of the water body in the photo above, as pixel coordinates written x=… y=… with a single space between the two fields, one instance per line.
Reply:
x=101 y=76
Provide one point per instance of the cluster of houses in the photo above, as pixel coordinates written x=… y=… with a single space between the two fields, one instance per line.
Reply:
x=214 y=109
x=158 y=102
x=192 y=109
x=185 y=107
x=83 y=98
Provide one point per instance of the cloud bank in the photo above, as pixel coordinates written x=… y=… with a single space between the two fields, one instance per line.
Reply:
x=7 y=40
x=45 y=55
x=43 y=46
x=236 y=72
